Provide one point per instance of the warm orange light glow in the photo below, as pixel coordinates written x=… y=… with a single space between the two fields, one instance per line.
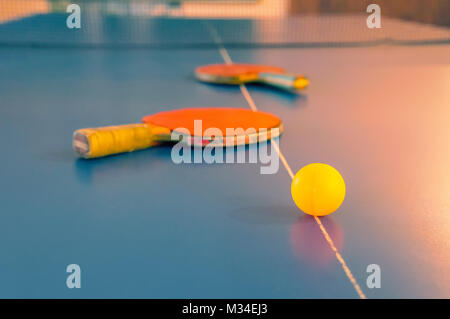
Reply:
x=206 y=9
x=12 y=10
x=233 y=9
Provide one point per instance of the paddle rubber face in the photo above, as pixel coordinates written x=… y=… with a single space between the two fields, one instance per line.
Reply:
x=240 y=126
x=234 y=73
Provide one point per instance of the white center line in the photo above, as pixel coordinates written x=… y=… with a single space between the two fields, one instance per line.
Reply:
x=248 y=97
x=226 y=57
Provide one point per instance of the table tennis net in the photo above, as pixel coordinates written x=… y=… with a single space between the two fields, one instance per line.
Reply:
x=175 y=24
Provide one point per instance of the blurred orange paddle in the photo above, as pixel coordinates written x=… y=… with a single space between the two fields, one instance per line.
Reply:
x=247 y=73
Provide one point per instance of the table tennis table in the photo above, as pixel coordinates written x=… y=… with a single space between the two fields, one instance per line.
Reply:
x=141 y=226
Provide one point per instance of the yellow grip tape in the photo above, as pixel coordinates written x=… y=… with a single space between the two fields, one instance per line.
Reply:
x=108 y=140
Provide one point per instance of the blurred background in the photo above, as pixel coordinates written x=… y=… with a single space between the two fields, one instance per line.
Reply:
x=241 y=22
x=426 y=11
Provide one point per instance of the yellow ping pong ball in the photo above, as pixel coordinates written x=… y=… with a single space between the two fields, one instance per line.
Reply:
x=318 y=189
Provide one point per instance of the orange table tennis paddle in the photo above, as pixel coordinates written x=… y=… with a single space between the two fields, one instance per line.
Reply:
x=247 y=73
x=154 y=129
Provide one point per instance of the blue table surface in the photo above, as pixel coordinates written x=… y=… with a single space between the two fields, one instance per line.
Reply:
x=141 y=226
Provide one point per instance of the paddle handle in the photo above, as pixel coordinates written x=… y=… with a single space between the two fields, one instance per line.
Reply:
x=108 y=140
x=284 y=81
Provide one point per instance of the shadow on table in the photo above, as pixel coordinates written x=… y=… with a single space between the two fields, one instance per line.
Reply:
x=89 y=171
x=109 y=168
x=293 y=98
x=290 y=97
x=265 y=215
x=308 y=243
